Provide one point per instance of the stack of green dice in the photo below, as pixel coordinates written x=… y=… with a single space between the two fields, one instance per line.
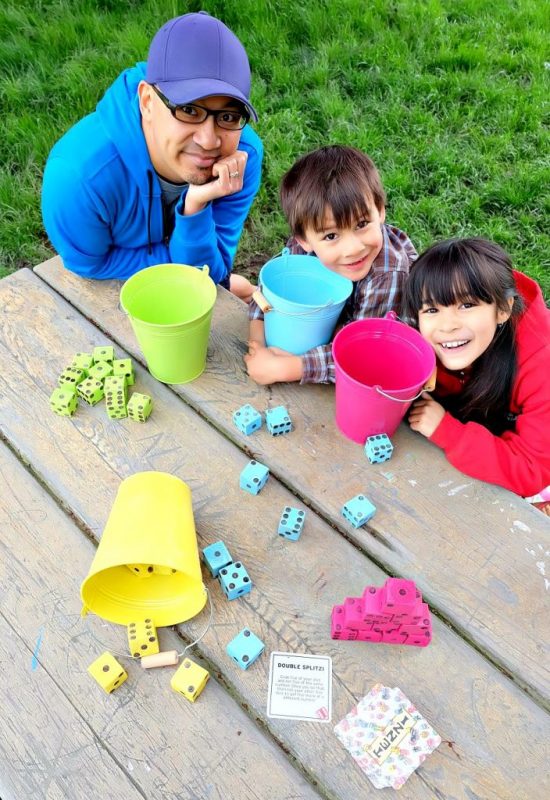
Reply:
x=93 y=376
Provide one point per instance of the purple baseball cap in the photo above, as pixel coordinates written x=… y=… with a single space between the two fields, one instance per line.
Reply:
x=195 y=56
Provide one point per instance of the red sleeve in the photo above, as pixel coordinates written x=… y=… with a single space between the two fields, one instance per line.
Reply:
x=518 y=460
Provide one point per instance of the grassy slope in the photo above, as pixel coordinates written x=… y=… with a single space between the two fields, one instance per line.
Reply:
x=449 y=98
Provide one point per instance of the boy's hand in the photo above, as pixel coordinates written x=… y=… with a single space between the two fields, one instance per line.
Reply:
x=425 y=415
x=221 y=185
x=271 y=365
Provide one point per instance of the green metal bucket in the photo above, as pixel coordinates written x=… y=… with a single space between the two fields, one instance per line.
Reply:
x=170 y=309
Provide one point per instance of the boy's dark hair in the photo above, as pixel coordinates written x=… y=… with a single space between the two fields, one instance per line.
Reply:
x=341 y=179
x=466 y=269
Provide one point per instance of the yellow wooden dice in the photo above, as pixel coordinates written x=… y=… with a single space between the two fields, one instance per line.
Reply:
x=142 y=638
x=108 y=672
x=189 y=680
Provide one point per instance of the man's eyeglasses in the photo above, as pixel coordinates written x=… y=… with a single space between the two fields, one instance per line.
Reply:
x=227 y=118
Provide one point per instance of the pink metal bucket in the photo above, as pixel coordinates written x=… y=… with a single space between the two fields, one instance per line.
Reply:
x=381 y=366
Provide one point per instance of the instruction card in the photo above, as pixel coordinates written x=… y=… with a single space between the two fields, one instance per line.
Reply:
x=300 y=687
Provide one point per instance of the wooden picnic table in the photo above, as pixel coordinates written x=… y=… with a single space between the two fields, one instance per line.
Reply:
x=478 y=553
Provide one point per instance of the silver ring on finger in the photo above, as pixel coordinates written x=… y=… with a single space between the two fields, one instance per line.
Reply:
x=234 y=174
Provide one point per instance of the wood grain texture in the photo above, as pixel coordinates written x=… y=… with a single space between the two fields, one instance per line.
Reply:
x=476 y=551
x=83 y=459
x=60 y=735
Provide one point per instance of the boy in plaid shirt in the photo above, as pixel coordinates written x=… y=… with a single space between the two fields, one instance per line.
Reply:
x=335 y=205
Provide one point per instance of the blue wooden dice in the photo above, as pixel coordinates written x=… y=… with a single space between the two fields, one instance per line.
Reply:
x=278 y=421
x=216 y=556
x=254 y=477
x=291 y=523
x=247 y=419
x=234 y=580
x=358 y=510
x=378 y=448
x=245 y=648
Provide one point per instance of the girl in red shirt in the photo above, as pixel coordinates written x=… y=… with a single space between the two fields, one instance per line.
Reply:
x=490 y=329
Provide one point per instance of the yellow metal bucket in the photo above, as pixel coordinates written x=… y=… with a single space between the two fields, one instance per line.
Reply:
x=147 y=563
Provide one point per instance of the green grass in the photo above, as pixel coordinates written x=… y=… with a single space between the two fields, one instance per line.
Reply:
x=449 y=97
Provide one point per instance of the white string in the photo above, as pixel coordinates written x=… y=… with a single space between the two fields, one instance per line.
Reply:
x=185 y=649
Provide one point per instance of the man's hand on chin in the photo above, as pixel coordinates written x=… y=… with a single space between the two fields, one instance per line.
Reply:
x=227 y=178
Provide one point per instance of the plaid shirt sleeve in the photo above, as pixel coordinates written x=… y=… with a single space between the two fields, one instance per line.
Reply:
x=254 y=311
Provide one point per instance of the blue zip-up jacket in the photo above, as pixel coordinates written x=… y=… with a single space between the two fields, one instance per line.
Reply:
x=101 y=199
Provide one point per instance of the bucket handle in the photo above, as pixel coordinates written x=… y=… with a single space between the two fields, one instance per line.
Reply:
x=429 y=386
x=265 y=307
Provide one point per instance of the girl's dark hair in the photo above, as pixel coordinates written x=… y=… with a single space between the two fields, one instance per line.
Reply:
x=342 y=179
x=451 y=272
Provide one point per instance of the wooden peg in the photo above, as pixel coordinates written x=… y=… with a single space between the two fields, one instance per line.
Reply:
x=429 y=386
x=261 y=301
x=168 y=658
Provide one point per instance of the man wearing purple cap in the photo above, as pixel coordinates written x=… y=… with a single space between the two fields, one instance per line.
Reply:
x=166 y=168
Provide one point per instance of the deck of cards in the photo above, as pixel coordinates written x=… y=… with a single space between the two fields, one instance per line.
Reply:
x=387 y=736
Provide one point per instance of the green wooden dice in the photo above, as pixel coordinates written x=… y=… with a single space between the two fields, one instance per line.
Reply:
x=139 y=407
x=115 y=396
x=123 y=366
x=71 y=376
x=100 y=370
x=63 y=401
x=83 y=361
x=91 y=391
x=104 y=353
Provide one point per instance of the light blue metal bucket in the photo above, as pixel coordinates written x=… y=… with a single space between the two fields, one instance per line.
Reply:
x=305 y=300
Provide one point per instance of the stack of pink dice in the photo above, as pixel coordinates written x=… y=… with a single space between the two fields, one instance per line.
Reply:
x=393 y=613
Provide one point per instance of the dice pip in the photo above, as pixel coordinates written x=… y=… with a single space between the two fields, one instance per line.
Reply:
x=108 y=672
x=142 y=638
x=254 y=477
x=291 y=523
x=278 y=421
x=247 y=419
x=139 y=407
x=64 y=401
x=104 y=353
x=216 y=556
x=245 y=648
x=378 y=448
x=358 y=510
x=189 y=680
x=234 y=580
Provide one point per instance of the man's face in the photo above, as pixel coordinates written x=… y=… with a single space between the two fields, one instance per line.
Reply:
x=348 y=251
x=182 y=152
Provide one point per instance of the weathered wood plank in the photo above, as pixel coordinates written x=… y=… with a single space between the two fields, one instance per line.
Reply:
x=82 y=460
x=60 y=735
x=476 y=551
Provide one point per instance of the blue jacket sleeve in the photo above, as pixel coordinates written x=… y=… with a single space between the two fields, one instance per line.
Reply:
x=211 y=236
x=77 y=222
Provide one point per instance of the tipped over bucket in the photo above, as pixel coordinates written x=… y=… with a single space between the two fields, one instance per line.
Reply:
x=170 y=308
x=381 y=366
x=304 y=301
x=147 y=562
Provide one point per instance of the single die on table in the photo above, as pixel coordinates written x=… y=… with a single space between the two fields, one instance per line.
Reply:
x=104 y=353
x=108 y=672
x=247 y=419
x=141 y=570
x=64 y=401
x=278 y=421
x=100 y=370
x=139 y=407
x=254 y=477
x=142 y=638
x=91 y=391
x=358 y=510
x=122 y=367
x=378 y=448
x=71 y=376
x=83 y=361
x=291 y=523
x=234 y=580
x=189 y=679
x=216 y=556
x=245 y=648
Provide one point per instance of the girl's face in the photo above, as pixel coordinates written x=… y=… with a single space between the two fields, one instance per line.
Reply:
x=461 y=332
